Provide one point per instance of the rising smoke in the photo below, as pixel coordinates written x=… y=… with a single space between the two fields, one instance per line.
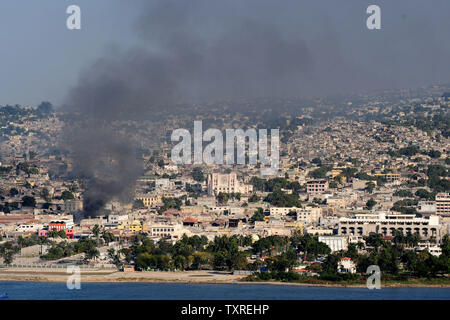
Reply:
x=243 y=56
x=200 y=49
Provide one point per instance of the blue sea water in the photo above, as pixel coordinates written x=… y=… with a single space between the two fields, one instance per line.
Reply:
x=179 y=291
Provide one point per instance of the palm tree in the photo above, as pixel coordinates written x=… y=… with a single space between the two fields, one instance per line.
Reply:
x=96 y=231
x=115 y=257
x=106 y=236
x=20 y=241
x=412 y=239
x=7 y=252
x=92 y=253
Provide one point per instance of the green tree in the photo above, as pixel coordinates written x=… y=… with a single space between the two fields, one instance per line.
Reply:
x=62 y=234
x=28 y=201
x=370 y=186
x=222 y=198
x=67 y=195
x=96 y=232
x=258 y=215
x=197 y=174
x=7 y=252
x=53 y=233
x=370 y=204
x=92 y=253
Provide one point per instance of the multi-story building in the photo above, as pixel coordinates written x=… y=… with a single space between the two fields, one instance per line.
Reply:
x=29 y=227
x=150 y=200
x=307 y=214
x=60 y=225
x=346 y=265
x=226 y=183
x=443 y=204
x=73 y=205
x=388 y=176
x=161 y=230
x=173 y=232
x=135 y=226
x=164 y=184
x=316 y=186
x=336 y=243
x=116 y=219
x=282 y=211
x=426 y=207
x=388 y=224
x=66 y=225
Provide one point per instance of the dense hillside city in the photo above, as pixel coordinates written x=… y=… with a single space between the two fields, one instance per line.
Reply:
x=363 y=180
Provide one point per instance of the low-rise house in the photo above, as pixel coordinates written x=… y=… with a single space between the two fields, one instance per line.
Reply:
x=346 y=265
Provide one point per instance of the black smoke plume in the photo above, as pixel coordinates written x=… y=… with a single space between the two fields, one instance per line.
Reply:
x=185 y=55
x=210 y=49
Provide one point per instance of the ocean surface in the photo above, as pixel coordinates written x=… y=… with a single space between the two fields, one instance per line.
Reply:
x=178 y=291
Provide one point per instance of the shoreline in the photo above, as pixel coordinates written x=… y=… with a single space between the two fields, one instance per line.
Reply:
x=185 y=277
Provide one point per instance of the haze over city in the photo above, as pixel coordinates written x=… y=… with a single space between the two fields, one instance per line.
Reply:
x=190 y=149
x=324 y=45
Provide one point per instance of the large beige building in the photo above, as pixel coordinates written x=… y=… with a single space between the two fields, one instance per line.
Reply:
x=387 y=224
x=150 y=200
x=226 y=183
x=307 y=214
x=73 y=205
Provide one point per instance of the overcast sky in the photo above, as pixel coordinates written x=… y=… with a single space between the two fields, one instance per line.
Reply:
x=40 y=59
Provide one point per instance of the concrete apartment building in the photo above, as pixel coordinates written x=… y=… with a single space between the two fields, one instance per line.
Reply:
x=316 y=186
x=308 y=214
x=73 y=205
x=387 y=224
x=390 y=177
x=443 y=204
x=164 y=184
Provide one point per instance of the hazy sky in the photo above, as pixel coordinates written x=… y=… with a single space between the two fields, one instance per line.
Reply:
x=40 y=59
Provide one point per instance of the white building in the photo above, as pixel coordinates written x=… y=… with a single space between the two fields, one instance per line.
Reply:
x=29 y=227
x=226 y=183
x=426 y=207
x=164 y=230
x=307 y=214
x=432 y=249
x=346 y=265
x=115 y=218
x=336 y=243
x=388 y=224
x=282 y=211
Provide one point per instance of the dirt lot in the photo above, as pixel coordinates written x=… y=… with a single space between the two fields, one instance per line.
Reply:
x=116 y=276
